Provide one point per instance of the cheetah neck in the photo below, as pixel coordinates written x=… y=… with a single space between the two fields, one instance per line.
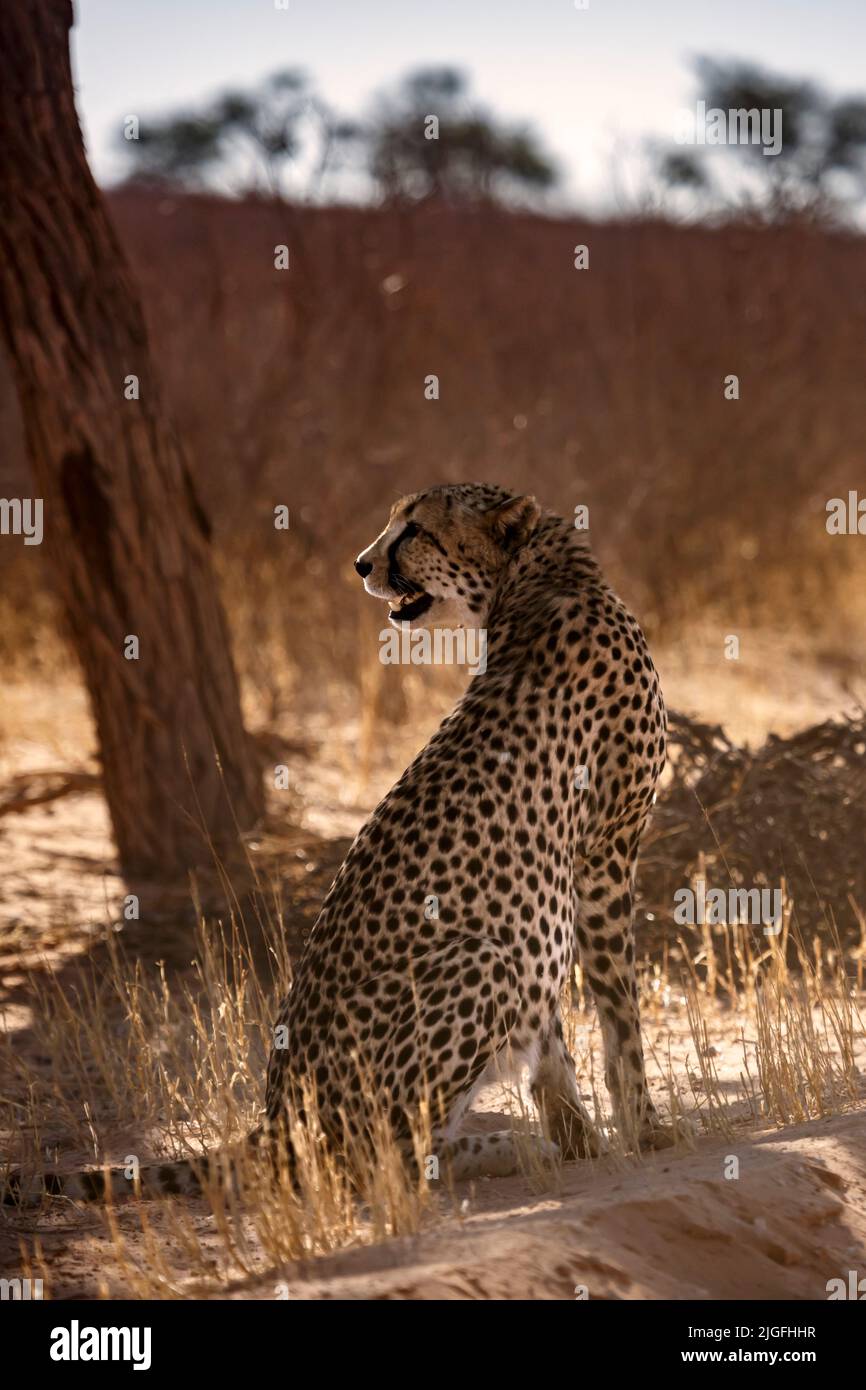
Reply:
x=557 y=559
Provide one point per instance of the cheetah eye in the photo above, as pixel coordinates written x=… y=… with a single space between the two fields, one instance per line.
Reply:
x=413 y=529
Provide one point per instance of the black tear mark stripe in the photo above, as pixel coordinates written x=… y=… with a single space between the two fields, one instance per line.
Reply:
x=408 y=533
x=410 y=530
x=395 y=578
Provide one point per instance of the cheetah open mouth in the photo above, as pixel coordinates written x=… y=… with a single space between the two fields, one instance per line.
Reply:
x=407 y=609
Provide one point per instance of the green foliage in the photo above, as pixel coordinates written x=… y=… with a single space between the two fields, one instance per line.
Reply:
x=681 y=170
x=180 y=148
x=255 y=137
x=821 y=166
x=737 y=85
x=467 y=155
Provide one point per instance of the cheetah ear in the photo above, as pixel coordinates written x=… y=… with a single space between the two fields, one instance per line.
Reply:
x=512 y=522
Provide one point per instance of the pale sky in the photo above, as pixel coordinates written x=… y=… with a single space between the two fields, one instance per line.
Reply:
x=593 y=83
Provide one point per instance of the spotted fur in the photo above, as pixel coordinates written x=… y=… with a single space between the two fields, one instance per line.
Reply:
x=493 y=822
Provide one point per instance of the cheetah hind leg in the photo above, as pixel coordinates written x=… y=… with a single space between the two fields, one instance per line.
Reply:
x=495 y=1155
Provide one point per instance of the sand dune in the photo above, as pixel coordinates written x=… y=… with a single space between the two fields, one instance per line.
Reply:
x=670 y=1228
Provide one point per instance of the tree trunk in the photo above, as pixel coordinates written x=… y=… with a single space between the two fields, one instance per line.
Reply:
x=129 y=540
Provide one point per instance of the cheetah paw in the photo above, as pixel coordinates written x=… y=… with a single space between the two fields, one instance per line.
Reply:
x=665 y=1134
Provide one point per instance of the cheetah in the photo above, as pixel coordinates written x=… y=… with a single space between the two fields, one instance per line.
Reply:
x=521 y=820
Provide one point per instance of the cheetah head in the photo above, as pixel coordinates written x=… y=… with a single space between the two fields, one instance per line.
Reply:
x=443 y=551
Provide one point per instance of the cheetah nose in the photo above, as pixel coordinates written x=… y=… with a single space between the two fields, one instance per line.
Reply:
x=363 y=567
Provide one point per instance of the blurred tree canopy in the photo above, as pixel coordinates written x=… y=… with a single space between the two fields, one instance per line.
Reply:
x=250 y=138
x=424 y=140
x=821 y=165
x=430 y=140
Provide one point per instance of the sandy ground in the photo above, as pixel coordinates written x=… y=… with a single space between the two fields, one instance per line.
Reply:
x=761 y=1213
x=670 y=1226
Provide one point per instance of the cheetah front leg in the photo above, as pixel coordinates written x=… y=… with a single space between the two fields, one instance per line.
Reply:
x=554 y=1090
x=605 y=886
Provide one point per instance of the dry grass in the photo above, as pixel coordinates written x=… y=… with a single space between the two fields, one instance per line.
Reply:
x=177 y=1060
x=114 y=1054
x=602 y=387
x=150 y=1063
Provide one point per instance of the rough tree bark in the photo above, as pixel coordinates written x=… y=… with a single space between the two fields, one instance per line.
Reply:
x=128 y=537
